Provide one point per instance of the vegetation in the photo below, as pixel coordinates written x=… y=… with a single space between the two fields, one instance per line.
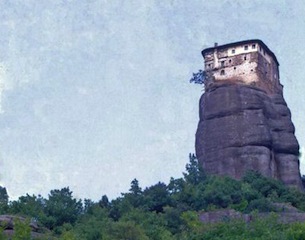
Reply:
x=198 y=77
x=162 y=211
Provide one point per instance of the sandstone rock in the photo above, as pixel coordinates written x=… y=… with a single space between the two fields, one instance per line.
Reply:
x=242 y=128
x=235 y=161
x=285 y=214
x=7 y=223
x=222 y=215
x=34 y=235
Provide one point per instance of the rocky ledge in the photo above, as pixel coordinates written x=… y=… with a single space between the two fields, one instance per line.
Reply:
x=7 y=223
x=284 y=213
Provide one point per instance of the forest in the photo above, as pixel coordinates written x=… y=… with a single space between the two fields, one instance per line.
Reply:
x=161 y=211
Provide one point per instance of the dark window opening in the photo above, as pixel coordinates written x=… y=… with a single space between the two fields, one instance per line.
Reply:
x=264 y=52
x=245 y=57
x=234 y=68
x=246 y=47
x=251 y=70
x=222 y=72
x=209 y=65
x=233 y=51
x=253 y=46
x=222 y=63
x=230 y=61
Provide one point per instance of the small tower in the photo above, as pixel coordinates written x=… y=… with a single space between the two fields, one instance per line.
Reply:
x=249 y=62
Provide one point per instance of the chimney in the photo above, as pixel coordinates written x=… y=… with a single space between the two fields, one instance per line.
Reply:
x=215 y=44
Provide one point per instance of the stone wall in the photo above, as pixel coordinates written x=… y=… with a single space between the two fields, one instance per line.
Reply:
x=249 y=62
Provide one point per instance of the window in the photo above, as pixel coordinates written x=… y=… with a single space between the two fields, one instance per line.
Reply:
x=246 y=47
x=245 y=57
x=233 y=51
x=222 y=63
x=253 y=46
x=264 y=52
x=234 y=68
x=209 y=65
x=230 y=60
x=222 y=72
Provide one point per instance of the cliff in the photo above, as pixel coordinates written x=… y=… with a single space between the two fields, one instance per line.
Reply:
x=242 y=128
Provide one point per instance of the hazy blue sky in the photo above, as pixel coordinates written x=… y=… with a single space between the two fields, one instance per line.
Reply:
x=95 y=93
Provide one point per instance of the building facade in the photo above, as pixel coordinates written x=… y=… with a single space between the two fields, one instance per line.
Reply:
x=250 y=62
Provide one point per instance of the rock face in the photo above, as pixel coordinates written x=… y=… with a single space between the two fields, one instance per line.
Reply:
x=242 y=128
x=7 y=222
x=285 y=214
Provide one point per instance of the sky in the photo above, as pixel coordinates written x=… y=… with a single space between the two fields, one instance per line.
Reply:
x=96 y=93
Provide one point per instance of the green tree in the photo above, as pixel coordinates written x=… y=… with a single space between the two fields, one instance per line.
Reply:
x=176 y=185
x=62 y=208
x=126 y=231
x=222 y=191
x=194 y=173
x=88 y=204
x=135 y=194
x=2 y=236
x=68 y=236
x=135 y=188
x=260 y=205
x=156 y=197
x=93 y=224
x=30 y=206
x=172 y=218
x=104 y=202
x=296 y=231
x=152 y=223
x=3 y=200
x=22 y=230
x=119 y=207
x=265 y=186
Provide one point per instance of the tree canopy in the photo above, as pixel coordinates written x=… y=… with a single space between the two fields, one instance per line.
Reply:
x=163 y=211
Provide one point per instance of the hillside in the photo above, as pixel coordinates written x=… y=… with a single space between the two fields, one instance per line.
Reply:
x=166 y=211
